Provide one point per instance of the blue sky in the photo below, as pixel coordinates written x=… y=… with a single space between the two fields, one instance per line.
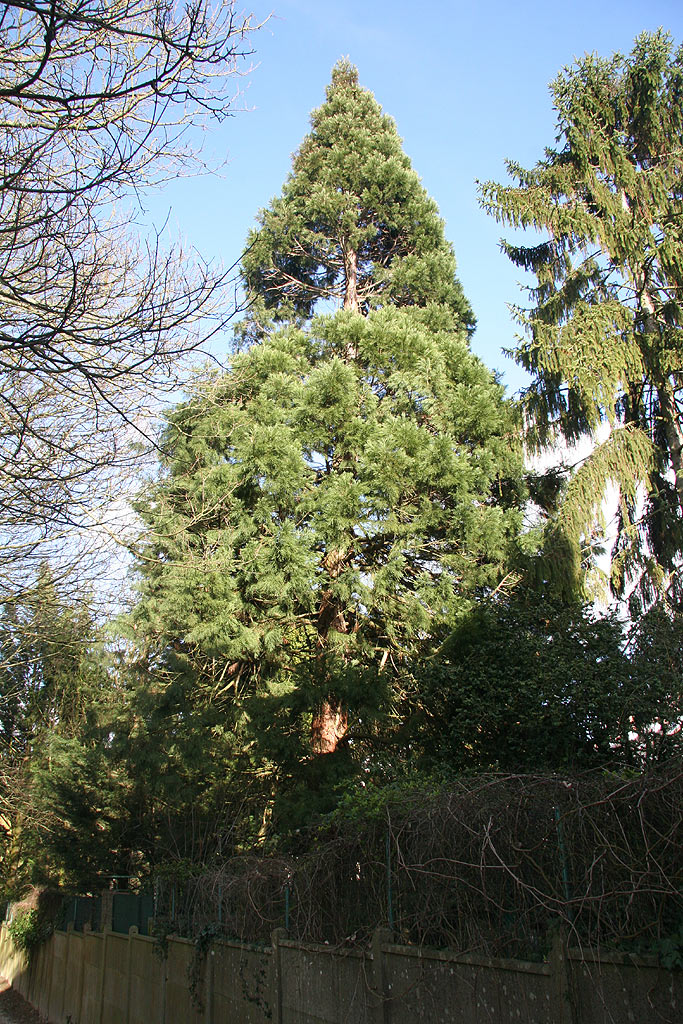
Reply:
x=468 y=87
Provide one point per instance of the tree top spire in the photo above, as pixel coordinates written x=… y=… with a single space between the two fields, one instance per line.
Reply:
x=343 y=73
x=353 y=224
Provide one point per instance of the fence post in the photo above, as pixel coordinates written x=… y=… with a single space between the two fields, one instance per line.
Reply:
x=103 y=969
x=276 y=937
x=208 y=986
x=562 y=1006
x=49 y=946
x=164 y=979
x=79 y=1002
x=69 y=932
x=380 y=936
x=132 y=932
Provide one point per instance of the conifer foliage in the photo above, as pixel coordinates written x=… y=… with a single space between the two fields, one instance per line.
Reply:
x=353 y=222
x=57 y=817
x=604 y=331
x=349 y=486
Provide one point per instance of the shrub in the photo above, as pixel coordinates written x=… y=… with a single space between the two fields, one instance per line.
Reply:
x=28 y=929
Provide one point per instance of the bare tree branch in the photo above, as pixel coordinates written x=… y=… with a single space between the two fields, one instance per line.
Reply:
x=96 y=99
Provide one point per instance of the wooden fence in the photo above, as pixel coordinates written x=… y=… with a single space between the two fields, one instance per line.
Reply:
x=109 y=978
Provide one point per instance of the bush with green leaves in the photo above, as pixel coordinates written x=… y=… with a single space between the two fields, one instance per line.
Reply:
x=28 y=929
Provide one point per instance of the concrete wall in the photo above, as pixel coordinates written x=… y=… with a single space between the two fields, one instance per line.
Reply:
x=109 y=978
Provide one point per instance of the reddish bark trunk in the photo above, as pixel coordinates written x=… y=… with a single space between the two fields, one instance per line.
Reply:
x=351 y=282
x=329 y=726
x=330 y=720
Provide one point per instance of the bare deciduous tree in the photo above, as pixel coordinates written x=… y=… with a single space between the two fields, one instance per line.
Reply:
x=96 y=97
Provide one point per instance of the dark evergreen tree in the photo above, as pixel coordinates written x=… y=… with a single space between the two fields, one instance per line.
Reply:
x=655 y=650
x=57 y=806
x=604 y=329
x=350 y=487
x=525 y=687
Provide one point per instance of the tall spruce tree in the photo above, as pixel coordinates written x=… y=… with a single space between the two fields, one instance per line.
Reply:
x=350 y=486
x=604 y=329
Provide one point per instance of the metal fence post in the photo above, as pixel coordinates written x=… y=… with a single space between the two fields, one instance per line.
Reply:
x=563 y=861
x=390 y=898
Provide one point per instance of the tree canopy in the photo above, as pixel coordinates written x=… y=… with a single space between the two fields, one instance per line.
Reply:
x=528 y=685
x=56 y=817
x=353 y=223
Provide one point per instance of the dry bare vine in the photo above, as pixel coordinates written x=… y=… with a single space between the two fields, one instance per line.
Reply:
x=489 y=865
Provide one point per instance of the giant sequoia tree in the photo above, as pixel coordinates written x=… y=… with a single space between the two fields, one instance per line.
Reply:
x=604 y=330
x=349 y=487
